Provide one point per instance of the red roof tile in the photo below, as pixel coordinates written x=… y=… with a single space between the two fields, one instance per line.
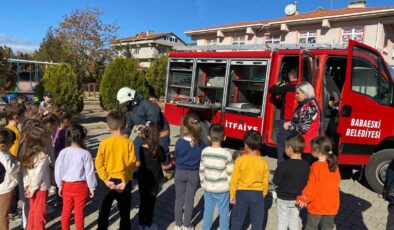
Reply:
x=313 y=14
x=142 y=36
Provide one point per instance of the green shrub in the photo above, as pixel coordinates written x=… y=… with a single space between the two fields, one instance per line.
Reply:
x=156 y=76
x=121 y=72
x=62 y=82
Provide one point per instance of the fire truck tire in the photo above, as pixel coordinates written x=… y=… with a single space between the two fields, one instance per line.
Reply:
x=375 y=171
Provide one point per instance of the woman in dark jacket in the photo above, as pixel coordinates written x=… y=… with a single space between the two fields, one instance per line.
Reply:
x=306 y=117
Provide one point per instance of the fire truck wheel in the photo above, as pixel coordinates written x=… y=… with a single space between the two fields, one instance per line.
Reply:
x=375 y=171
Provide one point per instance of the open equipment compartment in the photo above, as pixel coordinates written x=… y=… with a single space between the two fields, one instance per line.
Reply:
x=246 y=86
x=210 y=80
x=180 y=75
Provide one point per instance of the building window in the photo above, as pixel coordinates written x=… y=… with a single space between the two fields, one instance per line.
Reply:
x=239 y=40
x=272 y=39
x=171 y=39
x=355 y=33
x=307 y=37
x=135 y=50
x=162 y=50
x=212 y=42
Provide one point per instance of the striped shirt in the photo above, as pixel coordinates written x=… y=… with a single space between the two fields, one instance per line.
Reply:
x=215 y=170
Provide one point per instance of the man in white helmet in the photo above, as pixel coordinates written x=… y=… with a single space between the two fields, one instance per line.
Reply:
x=139 y=112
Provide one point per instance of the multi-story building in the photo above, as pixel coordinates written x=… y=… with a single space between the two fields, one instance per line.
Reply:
x=372 y=26
x=145 y=46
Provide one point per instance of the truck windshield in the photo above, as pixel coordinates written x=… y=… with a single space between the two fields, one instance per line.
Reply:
x=246 y=86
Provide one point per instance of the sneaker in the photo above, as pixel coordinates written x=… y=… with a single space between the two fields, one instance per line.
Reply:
x=188 y=228
x=178 y=227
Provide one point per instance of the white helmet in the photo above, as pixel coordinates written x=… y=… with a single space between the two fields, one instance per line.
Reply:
x=125 y=94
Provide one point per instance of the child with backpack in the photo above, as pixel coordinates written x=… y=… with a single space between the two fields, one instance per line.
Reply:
x=321 y=194
x=215 y=174
x=75 y=177
x=150 y=173
x=188 y=156
x=388 y=194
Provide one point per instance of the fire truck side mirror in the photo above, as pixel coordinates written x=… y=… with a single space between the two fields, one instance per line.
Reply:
x=346 y=111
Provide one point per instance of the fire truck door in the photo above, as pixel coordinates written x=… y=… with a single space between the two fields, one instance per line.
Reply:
x=364 y=107
x=307 y=67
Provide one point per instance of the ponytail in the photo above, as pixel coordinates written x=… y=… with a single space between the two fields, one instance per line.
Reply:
x=192 y=123
x=76 y=133
x=332 y=161
x=323 y=145
x=150 y=135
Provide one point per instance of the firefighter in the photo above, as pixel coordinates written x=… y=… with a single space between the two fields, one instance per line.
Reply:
x=139 y=112
x=286 y=92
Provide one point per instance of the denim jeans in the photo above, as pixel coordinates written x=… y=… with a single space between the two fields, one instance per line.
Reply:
x=287 y=214
x=252 y=201
x=210 y=201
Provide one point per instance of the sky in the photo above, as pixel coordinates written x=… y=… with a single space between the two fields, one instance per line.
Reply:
x=23 y=23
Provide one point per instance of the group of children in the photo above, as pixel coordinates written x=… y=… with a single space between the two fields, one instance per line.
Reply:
x=41 y=147
x=244 y=184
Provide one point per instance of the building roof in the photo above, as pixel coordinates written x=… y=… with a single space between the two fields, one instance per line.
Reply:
x=143 y=36
x=318 y=13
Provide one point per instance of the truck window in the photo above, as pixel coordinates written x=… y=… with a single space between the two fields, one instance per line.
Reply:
x=370 y=77
x=307 y=63
x=179 y=80
x=246 y=87
x=210 y=80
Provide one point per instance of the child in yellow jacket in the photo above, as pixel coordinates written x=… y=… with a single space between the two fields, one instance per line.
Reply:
x=249 y=184
x=115 y=165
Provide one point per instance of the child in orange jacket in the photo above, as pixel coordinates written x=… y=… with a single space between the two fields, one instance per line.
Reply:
x=321 y=194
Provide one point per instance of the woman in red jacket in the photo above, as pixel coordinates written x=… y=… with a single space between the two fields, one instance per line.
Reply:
x=306 y=117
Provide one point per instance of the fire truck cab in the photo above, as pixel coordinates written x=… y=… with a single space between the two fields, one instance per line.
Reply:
x=231 y=88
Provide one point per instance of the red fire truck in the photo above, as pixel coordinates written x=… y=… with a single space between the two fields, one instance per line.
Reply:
x=231 y=88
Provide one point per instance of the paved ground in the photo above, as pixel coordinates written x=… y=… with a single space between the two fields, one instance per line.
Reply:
x=360 y=207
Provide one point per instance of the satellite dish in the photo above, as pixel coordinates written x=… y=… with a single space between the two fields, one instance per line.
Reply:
x=290 y=9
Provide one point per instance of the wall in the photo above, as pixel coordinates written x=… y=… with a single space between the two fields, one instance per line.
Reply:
x=384 y=41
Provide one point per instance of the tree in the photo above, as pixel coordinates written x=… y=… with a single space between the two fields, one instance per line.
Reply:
x=88 y=41
x=7 y=72
x=156 y=76
x=52 y=49
x=62 y=82
x=120 y=72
